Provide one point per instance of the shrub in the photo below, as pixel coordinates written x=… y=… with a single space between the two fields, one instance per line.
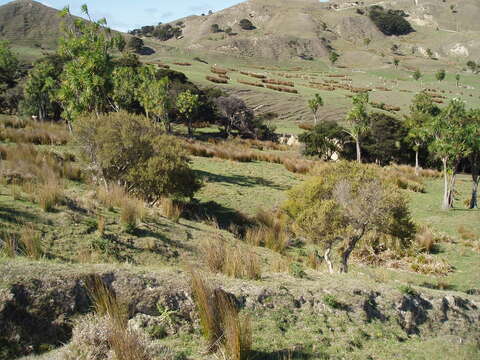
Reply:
x=324 y=140
x=296 y=270
x=408 y=290
x=130 y=214
x=128 y=149
x=331 y=300
x=246 y=24
x=390 y=22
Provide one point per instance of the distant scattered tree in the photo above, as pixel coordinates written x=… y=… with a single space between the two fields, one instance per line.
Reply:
x=246 y=24
x=344 y=203
x=167 y=32
x=367 y=41
x=215 y=28
x=395 y=48
x=333 y=57
x=324 y=140
x=396 y=62
x=187 y=105
x=315 y=104
x=390 y=22
x=228 y=30
x=429 y=53
x=417 y=75
x=440 y=75
x=236 y=115
x=135 y=44
x=457 y=79
x=472 y=65
x=358 y=121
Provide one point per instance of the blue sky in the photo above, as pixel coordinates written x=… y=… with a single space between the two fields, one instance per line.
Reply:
x=129 y=14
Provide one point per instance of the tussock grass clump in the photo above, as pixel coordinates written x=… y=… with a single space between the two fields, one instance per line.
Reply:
x=271 y=231
x=31 y=242
x=426 y=239
x=130 y=213
x=298 y=166
x=112 y=196
x=467 y=233
x=9 y=244
x=223 y=327
x=126 y=343
x=238 y=261
x=430 y=265
x=171 y=209
x=50 y=194
x=218 y=71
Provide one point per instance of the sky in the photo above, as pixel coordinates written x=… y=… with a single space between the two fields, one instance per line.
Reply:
x=126 y=15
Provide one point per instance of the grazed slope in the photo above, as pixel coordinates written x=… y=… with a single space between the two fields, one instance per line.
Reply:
x=287 y=29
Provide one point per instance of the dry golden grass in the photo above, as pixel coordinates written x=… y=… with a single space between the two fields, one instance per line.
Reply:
x=31 y=242
x=50 y=194
x=9 y=245
x=131 y=213
x=234 y=261
x=222 y=326
x=34 y=132
x=425 y=239
x=208 y=312
x=171 y=209
x=271 y=231
x=101 y=224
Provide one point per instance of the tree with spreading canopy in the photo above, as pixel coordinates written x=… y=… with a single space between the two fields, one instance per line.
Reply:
x=344 y=203
x=187 y=105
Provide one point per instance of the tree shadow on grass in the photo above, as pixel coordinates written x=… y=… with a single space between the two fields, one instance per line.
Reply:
x=16 y=216
x=211 y=210
x=239 y=180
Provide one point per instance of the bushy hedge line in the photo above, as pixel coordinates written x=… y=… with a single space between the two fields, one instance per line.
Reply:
x=390 y=22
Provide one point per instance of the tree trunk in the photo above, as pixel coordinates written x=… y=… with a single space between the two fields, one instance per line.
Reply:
x=314 y=118
x=190 y=132
x=346 y=254
x=451 y=190
x=326 y=256
x=445 y=185
x=474 y=159
x=417 y=166
x=359 y=151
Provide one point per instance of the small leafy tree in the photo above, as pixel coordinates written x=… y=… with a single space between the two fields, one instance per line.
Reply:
x=9 y=66
x=440 y=75
x=450 y=132
x=417 y=75
x=396 y=62
x=129 y=150
x=187 y=105
x=421 y=112
x=344 y=203
x=86 y=77
x=41 y=88
x=153 y=95
x=358 y=120
x=125 y=81
x=315 y=104
x=457 y=79
x=429 y=53
x=333 y=57
x=324 y=140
